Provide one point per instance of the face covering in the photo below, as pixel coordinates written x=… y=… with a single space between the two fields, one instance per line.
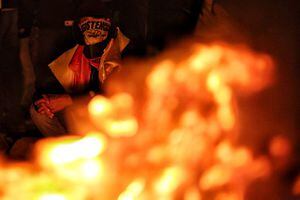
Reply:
x=95 y=32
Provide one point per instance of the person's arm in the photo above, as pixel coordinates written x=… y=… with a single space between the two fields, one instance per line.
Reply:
x=46 y=96
x=50 y=104
x=53 y=102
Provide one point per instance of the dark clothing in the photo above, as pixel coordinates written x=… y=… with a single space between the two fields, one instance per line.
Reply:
x=54 y=87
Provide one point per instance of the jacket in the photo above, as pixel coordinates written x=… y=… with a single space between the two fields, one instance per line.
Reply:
x=110 y=59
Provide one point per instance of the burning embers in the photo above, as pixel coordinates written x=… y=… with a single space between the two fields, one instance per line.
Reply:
x=176 y=141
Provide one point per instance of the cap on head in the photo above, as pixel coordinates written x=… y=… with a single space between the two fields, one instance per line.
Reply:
x=94 y=8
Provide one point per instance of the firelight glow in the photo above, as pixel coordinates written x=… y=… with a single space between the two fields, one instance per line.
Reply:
x=175 y=143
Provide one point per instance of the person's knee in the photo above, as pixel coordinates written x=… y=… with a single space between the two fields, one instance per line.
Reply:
x=47 y=126
x=37 y=118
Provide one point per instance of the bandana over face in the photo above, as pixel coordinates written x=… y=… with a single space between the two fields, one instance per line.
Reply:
x=94 y=30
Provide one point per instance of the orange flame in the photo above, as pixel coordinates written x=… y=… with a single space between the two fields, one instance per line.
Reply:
x=175 y=145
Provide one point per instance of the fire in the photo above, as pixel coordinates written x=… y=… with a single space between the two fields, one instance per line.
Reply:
x=133 y=190
x=171 y=178
x=66 y=150
x=175 y=143
x=114 y=114
x=215 y=177
x=100 y=106
x=192 y=194
x=52 y=197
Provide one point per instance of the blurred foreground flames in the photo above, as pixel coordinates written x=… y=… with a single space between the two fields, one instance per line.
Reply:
x=175 y=141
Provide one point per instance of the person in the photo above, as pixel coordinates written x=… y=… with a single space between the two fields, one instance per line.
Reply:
x=80 y=70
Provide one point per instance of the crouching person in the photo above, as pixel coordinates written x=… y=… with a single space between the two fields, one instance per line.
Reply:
x=80 y=70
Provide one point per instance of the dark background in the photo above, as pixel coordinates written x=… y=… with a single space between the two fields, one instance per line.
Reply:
x=272 y=27
x=269 y=26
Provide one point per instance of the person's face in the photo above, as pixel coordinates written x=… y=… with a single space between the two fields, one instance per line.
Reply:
x=94 y=30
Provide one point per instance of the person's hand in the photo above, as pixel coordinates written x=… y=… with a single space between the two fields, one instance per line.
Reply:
x=52 y=103
x=43 y=106
x=58 y=102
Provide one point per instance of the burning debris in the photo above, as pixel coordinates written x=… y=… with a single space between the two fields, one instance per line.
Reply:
x=175 y=139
